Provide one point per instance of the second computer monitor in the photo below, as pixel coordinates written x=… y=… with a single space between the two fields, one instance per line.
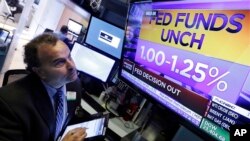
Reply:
x=91 y=62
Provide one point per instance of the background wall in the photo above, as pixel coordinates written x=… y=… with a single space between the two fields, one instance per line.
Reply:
x=47 y=15
x=67 y=14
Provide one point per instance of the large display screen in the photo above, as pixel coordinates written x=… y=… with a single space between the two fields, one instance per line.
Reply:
x=193 y=58
x=91 y=62
x=105 y=37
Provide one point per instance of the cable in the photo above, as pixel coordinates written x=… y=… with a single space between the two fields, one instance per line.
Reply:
x=113 y=113
x=106 y=104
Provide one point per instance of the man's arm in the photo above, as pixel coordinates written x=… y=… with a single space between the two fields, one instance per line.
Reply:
x=10 y=127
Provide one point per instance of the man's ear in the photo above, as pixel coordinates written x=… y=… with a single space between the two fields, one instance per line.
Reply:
x=39 y=72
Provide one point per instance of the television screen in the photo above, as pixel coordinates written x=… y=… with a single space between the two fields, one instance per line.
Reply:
x=105 y=37
x=74 y=27
x=192 y=58
x=91 y=62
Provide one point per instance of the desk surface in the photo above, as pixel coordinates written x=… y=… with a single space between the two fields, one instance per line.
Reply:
x=121 y=127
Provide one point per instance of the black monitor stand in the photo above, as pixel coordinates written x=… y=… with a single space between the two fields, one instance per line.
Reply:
x=91 y=85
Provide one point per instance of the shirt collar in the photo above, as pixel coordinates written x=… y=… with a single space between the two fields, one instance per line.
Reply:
x=51 y=90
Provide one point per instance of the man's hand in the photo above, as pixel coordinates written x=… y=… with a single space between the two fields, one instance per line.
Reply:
x=77 y=134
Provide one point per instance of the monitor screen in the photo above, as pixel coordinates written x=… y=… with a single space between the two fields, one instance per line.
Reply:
x=74 y=27
x=105 y=37
x=92 y=62
x=192 y=58
x=3 y=35
x=36 y=2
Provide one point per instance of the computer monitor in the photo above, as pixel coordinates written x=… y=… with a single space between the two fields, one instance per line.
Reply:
x=91 y=62
x=192 y=57
x=37 y=2
x=3 y=35
x=74 y=27
x=105 y=37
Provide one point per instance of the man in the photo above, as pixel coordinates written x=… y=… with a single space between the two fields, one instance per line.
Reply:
x=62 y=35
x=28 y=107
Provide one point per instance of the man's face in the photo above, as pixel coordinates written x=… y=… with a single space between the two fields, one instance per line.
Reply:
x=57 y=67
